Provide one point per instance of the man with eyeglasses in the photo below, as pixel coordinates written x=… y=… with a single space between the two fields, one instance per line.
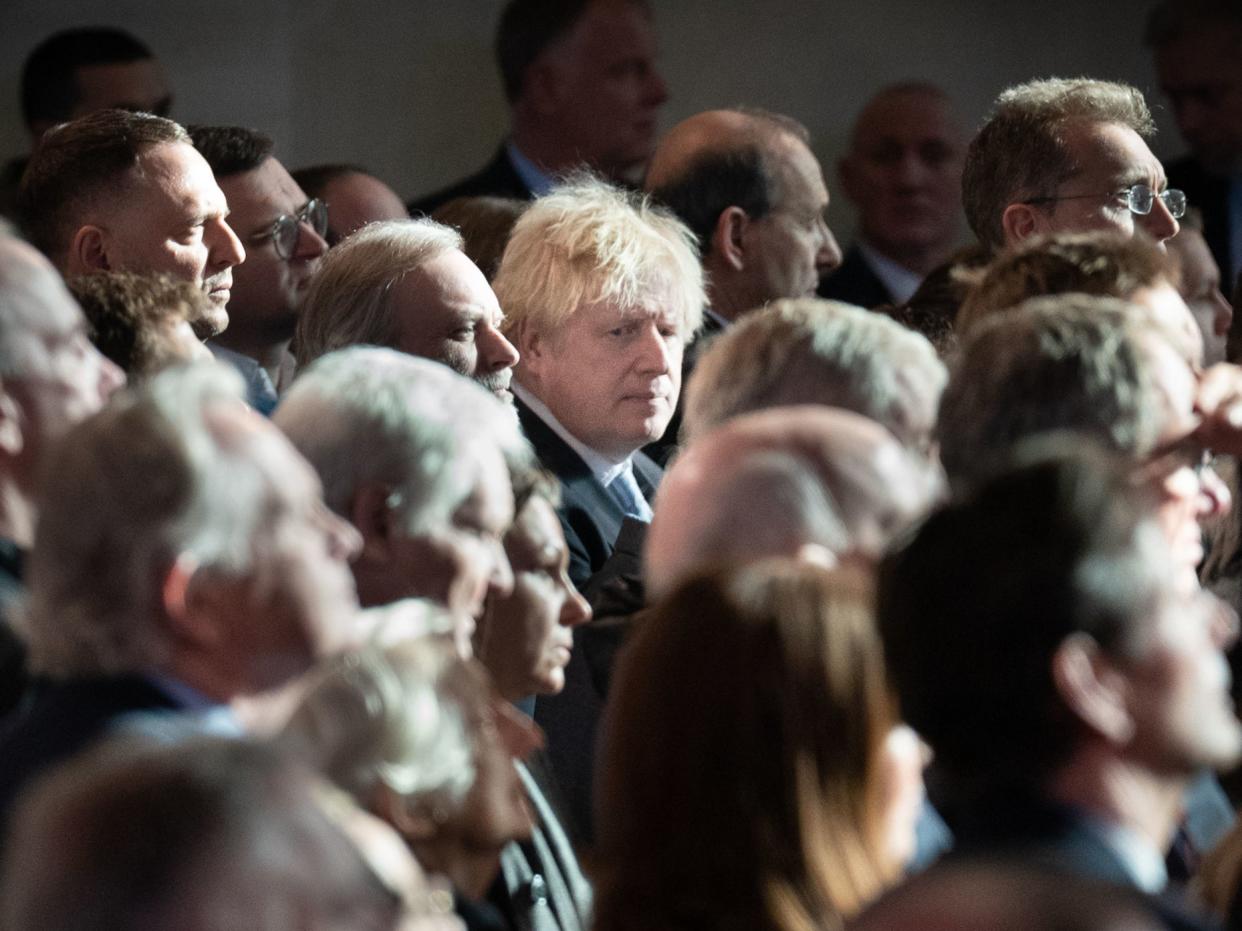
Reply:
x=283 y=231
x=1067 y=155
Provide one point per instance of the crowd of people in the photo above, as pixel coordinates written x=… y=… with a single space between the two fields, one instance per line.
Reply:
x=595 y=544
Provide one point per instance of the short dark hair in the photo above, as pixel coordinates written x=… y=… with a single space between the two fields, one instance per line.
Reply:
x=231 y=150
x=527 y=27
x=1170 y=20
x=974 y=607
x=50 y=89
x=718 y=178
x=314 y=179
x=78 y=162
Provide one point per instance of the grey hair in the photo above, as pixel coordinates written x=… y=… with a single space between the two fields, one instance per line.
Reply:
x=366 y=414
x=28 y=283
x=348 y=302
x=1069 y=362
x=158 y=473
x=805 y=351
x=395 y=715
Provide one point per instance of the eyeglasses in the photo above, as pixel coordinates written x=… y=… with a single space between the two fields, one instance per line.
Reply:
x=284 y=233
x=1140 y=198
x=1186 y=453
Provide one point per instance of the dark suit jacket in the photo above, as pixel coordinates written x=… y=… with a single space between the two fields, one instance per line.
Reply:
x=498 y=178
x=855 y=283
x=590 y=516
x=1210 y=193
x=62 y=718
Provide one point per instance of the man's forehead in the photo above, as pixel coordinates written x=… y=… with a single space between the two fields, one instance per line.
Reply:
x=263 y=193
x=1113 y=150
x=174 y=173
x=799 y=176
x=907 y=115
x=131 y=85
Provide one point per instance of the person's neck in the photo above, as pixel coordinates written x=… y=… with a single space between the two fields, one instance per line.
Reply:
x=729 y=302
x=470 y=870
x=1121 y=792
x=17 y=514
x=268 y=353
x=917 y=258
x=550 y=154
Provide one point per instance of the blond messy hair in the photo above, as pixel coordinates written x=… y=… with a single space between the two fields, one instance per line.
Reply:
x=588 y=242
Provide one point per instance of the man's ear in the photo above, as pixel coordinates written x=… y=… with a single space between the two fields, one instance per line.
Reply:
x=542 y=87
x=88 y=251
x=534 y=347
x=1022 y=221
x=192 y=604
x=12 y=439
x=1093 y=688
x=729 y=237
x=371 y=512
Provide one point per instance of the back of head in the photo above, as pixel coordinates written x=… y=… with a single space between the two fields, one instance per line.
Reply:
x=85 y=164
x=171 y=473
x=1099 y=263
x=1020 y=153
x=348 y=301
x=50 y=89
x=589 y=241
x=973 y=608
x=1066 y=363
x=394 y=716
x=231 y=150
x=772 y=672
x=485 y=224
x=132 y=317
x=819 y=352
x=205 y=836
x=424 y=428
x=717 y=160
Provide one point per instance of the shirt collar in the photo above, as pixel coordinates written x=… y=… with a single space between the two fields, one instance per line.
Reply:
x=723 y=321
x=539 y=182
x=604 y=468
x=1140 y=858
x=898 y=280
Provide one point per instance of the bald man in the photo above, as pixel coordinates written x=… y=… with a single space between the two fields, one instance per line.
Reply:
x=749 y=187
x=903 y=174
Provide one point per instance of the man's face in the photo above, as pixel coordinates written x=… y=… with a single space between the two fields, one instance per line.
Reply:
x=1212 y=313
x=525 y=639
x=60 y=379
x=904 y=174
x=171 y=219
x=606 y=93
x=792 y=245
x=445 y=310
x=355 y=200
x=133 y=85
x=268 y=289
x=1179 y=687
x=1112 y=158
x=1187 y=492
x=462 y=562
x=298 y=602
x=1201 y=74
x=611 y=375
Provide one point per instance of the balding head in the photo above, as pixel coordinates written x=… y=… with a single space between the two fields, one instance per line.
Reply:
x=800 y=481
x=749 y=187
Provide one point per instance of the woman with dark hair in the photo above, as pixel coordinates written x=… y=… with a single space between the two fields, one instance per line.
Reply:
x=754 y=772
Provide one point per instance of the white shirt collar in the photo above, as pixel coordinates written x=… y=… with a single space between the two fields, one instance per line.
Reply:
x=604 y=468
x=1141 y=859
x=900 y=282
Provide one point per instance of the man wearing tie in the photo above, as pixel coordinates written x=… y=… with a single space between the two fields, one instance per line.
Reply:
x=601 y=290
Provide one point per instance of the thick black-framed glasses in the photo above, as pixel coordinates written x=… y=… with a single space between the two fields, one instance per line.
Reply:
x=285 y=231
x=1140 y=198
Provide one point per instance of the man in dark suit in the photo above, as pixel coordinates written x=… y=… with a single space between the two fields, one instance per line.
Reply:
x=602 y=290
x=903 y=173
x=1198 y=53
x=581 y=80
x=1069 y=684
x=183 y=558
x=751 y=190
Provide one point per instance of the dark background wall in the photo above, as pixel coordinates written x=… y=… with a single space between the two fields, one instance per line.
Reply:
x=408 y=88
